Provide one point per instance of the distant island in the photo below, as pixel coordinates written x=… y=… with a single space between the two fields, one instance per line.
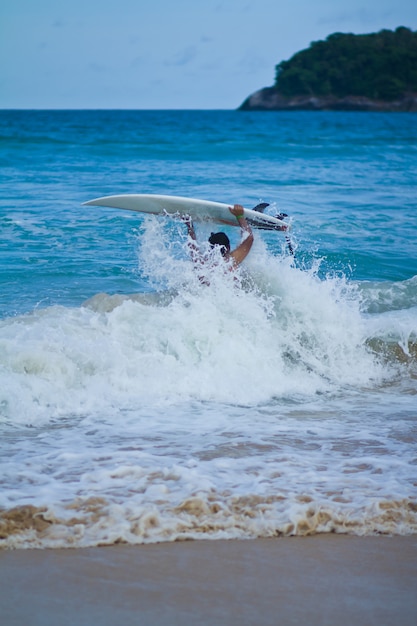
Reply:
x=346 y=72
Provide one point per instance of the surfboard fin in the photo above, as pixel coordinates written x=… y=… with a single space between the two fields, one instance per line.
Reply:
x=260 y=207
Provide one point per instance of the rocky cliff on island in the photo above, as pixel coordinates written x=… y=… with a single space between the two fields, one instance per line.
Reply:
x=376 y=72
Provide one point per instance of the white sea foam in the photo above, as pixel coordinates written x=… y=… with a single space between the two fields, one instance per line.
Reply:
x=229 y=410
x=205 y=471
x=281 y=331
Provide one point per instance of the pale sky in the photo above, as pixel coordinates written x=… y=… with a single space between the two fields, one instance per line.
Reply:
x=165 y=54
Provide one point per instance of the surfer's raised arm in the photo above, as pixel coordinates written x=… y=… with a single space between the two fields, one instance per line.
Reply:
x=192 y=239
x=241 y=252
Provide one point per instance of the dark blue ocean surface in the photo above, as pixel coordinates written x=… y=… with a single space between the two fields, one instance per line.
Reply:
x=138 y=405
x=347 y=180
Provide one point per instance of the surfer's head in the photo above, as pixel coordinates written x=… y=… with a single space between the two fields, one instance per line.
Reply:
x=222 y=240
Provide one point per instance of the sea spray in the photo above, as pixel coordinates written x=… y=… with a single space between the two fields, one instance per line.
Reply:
x=281 y=330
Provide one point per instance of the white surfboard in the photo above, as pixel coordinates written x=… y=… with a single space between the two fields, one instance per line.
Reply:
x=198 y=210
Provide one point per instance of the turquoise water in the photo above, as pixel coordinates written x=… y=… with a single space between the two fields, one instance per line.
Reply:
x=137 y=405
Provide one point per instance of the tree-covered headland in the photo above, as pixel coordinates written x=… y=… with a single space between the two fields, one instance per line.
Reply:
x=379 y=66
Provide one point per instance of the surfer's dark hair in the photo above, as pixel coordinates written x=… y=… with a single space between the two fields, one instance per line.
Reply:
x=220 y=239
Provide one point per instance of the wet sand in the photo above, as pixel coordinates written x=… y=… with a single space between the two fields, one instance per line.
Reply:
x=320 y=580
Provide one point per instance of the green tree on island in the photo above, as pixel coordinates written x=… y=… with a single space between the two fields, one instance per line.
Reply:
x=379 y=66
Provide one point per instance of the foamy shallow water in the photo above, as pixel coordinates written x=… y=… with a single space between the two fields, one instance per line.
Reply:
x=220 y=412
x=196 y=471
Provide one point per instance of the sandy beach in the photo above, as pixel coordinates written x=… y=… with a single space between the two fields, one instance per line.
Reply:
x=324 y=579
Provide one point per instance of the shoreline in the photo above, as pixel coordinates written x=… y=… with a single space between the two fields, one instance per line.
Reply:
x=270 y=99
x=318 y=580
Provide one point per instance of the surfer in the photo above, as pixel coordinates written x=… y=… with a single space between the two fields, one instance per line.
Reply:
x=221 y=241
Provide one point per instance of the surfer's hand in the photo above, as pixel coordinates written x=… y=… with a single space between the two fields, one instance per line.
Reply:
x=190 y=226
x=236 y=210
x=186 y=219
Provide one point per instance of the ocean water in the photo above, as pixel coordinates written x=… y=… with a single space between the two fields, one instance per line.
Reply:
x=137 y=405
